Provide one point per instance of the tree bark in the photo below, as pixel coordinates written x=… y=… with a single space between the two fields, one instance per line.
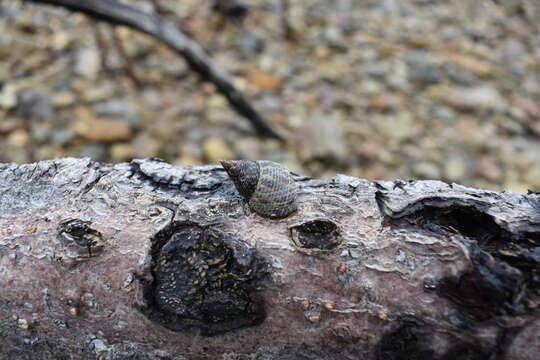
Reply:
x=145 y=260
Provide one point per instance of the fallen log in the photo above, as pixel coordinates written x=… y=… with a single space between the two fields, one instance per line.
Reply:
x=150 y=261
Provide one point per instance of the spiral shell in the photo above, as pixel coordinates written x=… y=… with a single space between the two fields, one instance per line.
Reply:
x=267 y=186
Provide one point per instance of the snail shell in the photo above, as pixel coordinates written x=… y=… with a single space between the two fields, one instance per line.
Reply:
x=267 y=186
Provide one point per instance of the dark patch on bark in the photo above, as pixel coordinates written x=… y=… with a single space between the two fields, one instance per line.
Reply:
x=505 y=254
x=407 y=339
x=410 y=338
x=491 y=288
x=26 y=344
x=504 y=264
x=316 y=234
x=80 y=233
x=307 y=351
x=466 y=352
x=204 y=280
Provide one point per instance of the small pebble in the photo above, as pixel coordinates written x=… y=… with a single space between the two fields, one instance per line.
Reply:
x=23 y=324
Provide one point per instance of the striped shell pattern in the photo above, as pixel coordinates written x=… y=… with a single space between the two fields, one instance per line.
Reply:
x=267 y=186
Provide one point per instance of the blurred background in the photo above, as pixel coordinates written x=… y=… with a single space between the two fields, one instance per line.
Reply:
x=378 y=89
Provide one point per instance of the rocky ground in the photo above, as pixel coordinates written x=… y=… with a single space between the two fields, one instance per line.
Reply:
x=377 y=89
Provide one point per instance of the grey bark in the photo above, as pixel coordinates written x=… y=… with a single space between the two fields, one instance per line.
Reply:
x=144 y=260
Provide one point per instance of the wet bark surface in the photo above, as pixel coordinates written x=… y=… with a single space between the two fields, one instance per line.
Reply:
x=144 y=260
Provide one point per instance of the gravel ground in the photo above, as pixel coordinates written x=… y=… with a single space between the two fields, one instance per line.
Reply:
x=378 y=89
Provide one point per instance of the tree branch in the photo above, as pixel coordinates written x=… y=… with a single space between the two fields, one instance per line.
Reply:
x=147 y=260
x=121 y=14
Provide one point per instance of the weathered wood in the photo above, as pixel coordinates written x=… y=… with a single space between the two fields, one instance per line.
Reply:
x=149 y=261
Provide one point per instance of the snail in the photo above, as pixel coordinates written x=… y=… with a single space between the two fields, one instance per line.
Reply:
x=267 y=186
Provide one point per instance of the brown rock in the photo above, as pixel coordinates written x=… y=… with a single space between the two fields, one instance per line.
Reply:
x=19 y=138
x=530 y=114
x=368 y=150
x=528 y=106
x=145 y=145
x=535 y=127
x=187 y=160
x=8 y=125
x=98 y=129
x=455 y=169
x=472 y=64
x=488 y=169
x=384 y=102
x=122 y=152
x=516 y=186
x=49 y=152
x=93 y=94
x=216 y=149
x=63 y=99
x=419 y=42
x=322 y=138
x=475 y=98
x=264 y=80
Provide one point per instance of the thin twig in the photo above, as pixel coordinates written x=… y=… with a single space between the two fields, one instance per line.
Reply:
x=167 y=32
x=159 y=9
x=102 y=46
x=127 y=66
x=288 y=30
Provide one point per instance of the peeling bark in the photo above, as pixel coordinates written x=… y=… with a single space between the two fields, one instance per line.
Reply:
x=149 y=261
